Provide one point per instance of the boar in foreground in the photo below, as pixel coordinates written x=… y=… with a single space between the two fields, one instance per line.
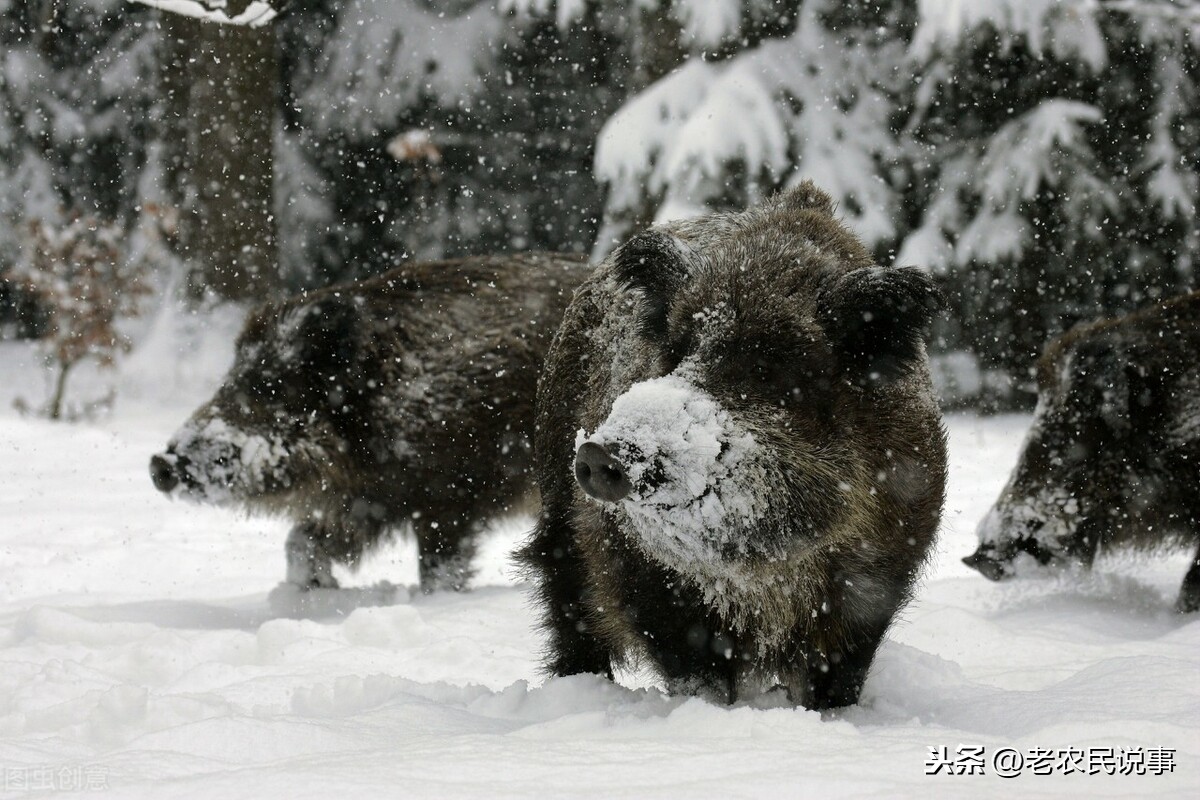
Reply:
x=1113 y=457
x=360 y=409
x=741 y=461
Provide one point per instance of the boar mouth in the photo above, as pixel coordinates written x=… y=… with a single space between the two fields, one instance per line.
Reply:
x=650 y=471
x=172 y=474
x=698 y=483
x=683 y=517
x=189 y=486
x=998 y=564
x=990 y=568
x=637 y=477
x=618 y=471
x=221 y=472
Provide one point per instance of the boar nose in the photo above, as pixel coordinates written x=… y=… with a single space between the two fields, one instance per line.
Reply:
x=599 y=474
x=986 y=566
x=162 y=472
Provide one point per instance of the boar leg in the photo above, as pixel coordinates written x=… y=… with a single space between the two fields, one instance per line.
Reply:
x=445 y=547
x=867 y=598
x=697 y=661
x=555 y=562
x=836 y=678
x=309 y=565
x=1189 y=594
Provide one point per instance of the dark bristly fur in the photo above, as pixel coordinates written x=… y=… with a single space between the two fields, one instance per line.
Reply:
x=779 y=317
x=362 y=408
x=1113 y=457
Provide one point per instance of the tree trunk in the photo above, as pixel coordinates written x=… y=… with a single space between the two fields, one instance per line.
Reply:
x=60 y=388
x=221 y=86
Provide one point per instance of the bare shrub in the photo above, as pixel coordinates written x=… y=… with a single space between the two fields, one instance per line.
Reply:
x=87 y=276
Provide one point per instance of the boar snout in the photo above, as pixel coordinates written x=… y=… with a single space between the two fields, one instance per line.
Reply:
x=986 y=565
x=999 y=562
x=162 y=472
x=601 y=475
x=170 y=470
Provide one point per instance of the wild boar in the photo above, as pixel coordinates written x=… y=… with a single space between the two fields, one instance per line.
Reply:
x=360 y=409
x=741 y=461
x=1112 y=458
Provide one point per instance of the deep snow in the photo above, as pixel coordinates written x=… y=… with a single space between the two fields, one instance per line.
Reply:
x=145 y=648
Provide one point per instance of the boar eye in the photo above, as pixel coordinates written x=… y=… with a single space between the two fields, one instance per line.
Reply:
x=788 y=379
x=766 y=370
x=279 y=392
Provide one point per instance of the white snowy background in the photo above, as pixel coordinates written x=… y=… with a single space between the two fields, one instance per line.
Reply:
x=145 y=647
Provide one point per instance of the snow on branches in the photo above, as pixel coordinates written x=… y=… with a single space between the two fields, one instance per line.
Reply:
x=813 y=105
x=390 y=55
x=982 y=189
x=252 y=13
x=1065 y=29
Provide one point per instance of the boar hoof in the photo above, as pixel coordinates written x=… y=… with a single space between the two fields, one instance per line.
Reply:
x=314 y=580
x=1189 y=600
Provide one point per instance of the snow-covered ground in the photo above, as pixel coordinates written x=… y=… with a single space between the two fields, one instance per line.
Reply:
x=145 y=649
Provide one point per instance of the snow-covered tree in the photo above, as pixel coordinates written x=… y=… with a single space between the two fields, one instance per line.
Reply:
x=721 y=133
x=509 y=103
x=252 y=13
x=1056 y=164
x=1040 y=156
x=77 y=93
x=220 y=88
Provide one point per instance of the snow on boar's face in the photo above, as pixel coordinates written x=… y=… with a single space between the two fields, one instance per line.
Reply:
x=728 y=443
x=285 y=417
x=1085 y=471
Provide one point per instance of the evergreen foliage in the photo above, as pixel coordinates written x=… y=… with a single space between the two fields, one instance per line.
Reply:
x=1040 y=157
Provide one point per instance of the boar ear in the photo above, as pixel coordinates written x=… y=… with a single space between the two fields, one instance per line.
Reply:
x=808 y=196
x=329 y=335
x=654 y=263
x=875 y=319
